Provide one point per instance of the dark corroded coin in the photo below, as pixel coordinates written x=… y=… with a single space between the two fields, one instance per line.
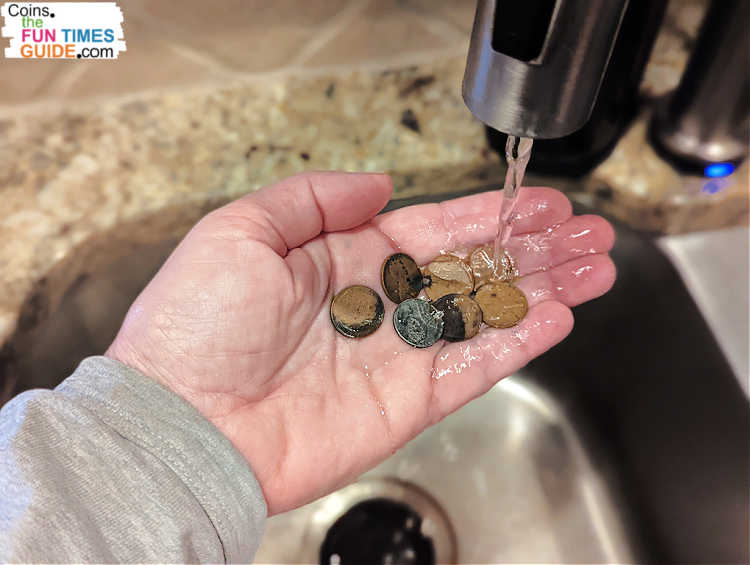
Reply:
x=462 y=316
x=503 y=305
x=400 y=277
x=357 y=311
x=418 y=322
x=481 y=261
x=448 y=274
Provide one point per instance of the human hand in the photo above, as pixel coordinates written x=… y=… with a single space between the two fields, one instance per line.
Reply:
x=237 y=321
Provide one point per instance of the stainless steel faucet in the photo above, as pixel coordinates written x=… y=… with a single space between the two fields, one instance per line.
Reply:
x=534 y=69
x=535 y=66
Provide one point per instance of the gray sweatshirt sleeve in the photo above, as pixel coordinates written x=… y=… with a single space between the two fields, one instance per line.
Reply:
x=112 y=467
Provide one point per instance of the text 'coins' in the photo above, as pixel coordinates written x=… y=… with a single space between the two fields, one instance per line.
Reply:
x=448 y=274
x=418 y=322
x=503 y=305
x=400 y=277
x=357 y=311
x=482 y=260
x=462 y=316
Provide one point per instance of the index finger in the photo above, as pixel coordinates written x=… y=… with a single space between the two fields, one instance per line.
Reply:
x=425 y=230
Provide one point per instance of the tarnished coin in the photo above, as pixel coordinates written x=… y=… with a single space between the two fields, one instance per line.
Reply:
x=418 y=322
x=448 y=274
x=462 y=316
x=503 y=305
x=400 y=277
x=357 y=311
x=481 y=261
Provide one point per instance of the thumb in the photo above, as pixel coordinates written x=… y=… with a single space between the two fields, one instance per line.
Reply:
x=297 y=209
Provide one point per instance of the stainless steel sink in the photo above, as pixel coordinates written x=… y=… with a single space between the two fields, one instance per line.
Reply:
x=629 y=442
x=511 y=475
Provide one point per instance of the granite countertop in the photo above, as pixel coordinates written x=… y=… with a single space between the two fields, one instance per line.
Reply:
x=100 y=178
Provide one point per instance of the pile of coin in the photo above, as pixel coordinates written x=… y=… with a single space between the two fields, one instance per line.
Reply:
x=462 y=294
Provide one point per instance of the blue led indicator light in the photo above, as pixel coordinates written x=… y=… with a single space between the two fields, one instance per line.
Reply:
x=718 y=170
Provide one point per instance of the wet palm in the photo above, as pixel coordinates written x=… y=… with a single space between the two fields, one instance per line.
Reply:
x=237 y=321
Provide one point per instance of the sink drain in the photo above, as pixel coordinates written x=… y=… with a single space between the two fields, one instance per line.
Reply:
x=378 y=531
x=384 y=521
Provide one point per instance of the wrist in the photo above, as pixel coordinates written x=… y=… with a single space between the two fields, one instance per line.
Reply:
x=122 y=351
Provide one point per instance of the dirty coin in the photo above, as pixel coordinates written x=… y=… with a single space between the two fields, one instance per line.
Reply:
x=462 y=316
x=481 y=261
x=400 y=277
x=448 y=274
x=357 y=311
x=503 y=305
x=418 y=322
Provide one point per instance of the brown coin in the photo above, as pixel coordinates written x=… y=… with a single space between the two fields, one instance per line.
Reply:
x=448 y=274
x=462 y=316
x=481 y=261
x=503 y=305
x=357 y=311
x=400 y=277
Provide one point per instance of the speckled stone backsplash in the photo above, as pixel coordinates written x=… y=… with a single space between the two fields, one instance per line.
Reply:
x=98 y=158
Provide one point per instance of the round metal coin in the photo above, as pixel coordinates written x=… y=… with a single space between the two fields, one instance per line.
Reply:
x=418 y=322
x=462 y=316
x=481 y=261
x=357 y=311
x=448 y=274
x=400 y=277
x=503 y=305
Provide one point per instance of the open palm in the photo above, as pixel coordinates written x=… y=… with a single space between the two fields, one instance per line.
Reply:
x=237 y=321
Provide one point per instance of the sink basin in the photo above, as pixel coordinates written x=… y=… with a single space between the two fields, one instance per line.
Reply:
x=514 y=479
x=628 y=442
